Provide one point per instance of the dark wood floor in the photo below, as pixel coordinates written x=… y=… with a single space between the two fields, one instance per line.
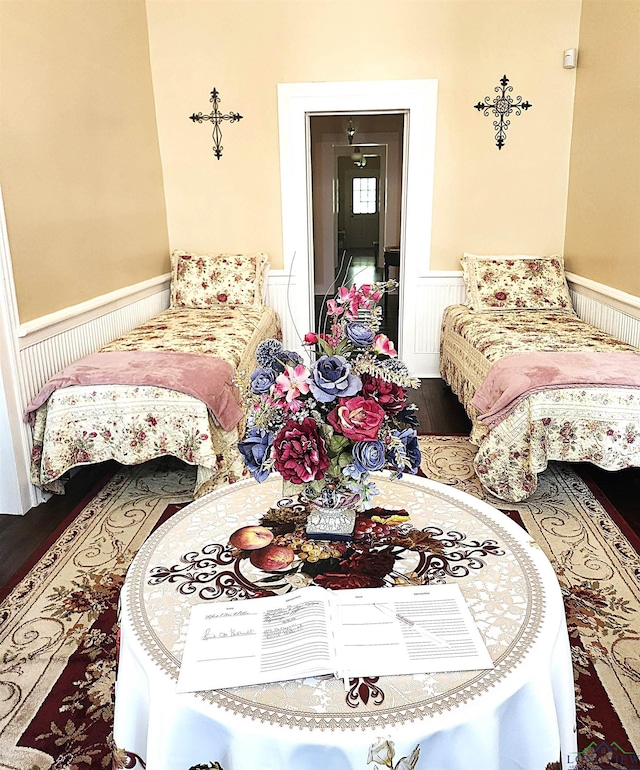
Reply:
x=439 y=413
x=358 y=266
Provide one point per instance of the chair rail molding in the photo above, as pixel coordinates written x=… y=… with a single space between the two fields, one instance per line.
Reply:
x=611 y=310
x=68 y=318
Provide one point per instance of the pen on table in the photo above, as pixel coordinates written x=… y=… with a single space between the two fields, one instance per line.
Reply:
x=418 y=629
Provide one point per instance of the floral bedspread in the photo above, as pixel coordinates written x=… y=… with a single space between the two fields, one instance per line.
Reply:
x=82 y=425
x=593 y=424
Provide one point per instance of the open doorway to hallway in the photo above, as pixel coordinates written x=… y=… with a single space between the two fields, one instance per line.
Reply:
x=356 y=163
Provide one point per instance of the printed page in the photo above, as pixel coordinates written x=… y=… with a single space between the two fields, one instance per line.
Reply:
x=406 y=630
x=255 y=641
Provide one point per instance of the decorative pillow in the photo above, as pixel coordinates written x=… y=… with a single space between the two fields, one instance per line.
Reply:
x=207 y=280
x=517 y=282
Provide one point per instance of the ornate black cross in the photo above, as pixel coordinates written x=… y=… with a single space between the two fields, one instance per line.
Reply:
x=216 y=117
x=502 y=106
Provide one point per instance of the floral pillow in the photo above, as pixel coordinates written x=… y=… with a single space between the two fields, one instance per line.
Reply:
x=516 y=282
x=206 y=280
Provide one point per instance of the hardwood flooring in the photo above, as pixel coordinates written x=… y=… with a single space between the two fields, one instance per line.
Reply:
x=439 y=413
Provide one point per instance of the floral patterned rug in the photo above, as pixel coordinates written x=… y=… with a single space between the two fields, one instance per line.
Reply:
x=58 y=619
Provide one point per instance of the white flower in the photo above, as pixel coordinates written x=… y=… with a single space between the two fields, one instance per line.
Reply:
x=382 y=752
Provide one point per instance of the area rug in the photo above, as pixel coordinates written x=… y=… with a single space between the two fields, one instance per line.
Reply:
x=58 y=622
x=58 y=625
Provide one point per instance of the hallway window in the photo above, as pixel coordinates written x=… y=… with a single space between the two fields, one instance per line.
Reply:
x=364 y=195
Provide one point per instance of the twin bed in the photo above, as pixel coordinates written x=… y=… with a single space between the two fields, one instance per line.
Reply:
x=166 y=387
x=537 y=383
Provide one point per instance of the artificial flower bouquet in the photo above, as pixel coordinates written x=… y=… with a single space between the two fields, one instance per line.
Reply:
x=326 y=425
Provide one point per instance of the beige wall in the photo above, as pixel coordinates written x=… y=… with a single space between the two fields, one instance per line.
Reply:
x=79 y=160
x=80 y=165
x=603 y=217
x=486 y=200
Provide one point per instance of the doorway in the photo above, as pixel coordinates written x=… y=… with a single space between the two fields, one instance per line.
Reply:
x=356 y=190
x=297 y=102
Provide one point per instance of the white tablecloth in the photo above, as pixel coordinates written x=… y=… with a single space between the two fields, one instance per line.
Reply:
x=519 y=715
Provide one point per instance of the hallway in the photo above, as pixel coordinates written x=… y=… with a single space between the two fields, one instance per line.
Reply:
x=359 y=266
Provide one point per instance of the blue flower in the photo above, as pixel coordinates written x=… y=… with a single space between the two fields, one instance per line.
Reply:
x=291 y=358
x=409 y=416
x=255 y=451
x=368 y=455
x=283 y=359
x=360 y=334
x=261 y=380
x=352 y=472
x=267 y=353
x=407 y=456
x=331 y=378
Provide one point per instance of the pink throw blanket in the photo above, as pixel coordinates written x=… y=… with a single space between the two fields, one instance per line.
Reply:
x=206 y=378
x=511 y=379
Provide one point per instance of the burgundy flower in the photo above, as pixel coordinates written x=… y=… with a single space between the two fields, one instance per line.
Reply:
x=390 y=396
x=299 y=452
x=374 y=563
x=357 y=418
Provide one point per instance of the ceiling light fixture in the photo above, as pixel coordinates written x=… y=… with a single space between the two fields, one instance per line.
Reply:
x=356 y=156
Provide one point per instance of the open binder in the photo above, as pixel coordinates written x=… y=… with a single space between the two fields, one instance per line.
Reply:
x=314 y=632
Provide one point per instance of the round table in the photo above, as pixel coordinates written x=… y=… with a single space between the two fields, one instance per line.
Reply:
x=520 y=714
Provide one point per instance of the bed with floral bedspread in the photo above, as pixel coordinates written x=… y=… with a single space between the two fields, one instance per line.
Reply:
x=521 y=306
x=132 y=423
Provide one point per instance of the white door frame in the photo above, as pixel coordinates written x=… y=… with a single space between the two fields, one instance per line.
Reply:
x=296 y=103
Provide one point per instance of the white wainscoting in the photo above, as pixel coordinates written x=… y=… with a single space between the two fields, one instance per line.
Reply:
x=50 y=343
x=282 y=296
x=612 y=310
x=45 y=348
x=435 y=293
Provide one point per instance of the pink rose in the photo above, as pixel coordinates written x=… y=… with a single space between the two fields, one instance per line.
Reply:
x=310 y=338
x=357 y=418
x=382 y=344
x=299 y=452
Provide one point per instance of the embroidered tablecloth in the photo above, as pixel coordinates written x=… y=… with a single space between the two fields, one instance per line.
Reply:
x=520 y=714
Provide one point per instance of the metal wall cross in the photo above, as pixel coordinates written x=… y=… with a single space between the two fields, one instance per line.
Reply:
x=216 y=117
x=502 y=106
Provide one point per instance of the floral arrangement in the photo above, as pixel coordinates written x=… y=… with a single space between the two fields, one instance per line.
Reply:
x=327 y=425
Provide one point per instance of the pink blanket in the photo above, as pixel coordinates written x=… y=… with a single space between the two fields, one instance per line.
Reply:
x=514 y=377
x=208 y=379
